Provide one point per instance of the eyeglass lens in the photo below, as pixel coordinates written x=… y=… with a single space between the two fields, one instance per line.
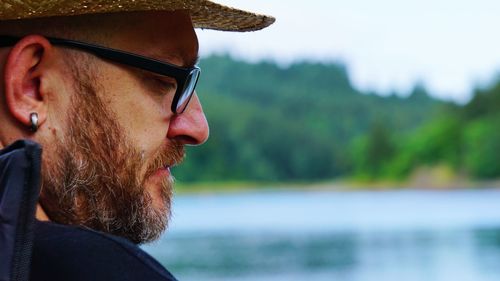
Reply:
x=188 y=90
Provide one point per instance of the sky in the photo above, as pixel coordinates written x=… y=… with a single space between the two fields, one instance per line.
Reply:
x=450 y=46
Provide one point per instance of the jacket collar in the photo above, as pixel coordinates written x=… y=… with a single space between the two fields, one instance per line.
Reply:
x=20 y=165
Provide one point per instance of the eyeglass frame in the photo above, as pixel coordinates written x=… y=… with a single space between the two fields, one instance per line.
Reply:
x=180 y=74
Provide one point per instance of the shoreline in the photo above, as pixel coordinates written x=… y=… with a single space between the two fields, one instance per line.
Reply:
x=335 y=185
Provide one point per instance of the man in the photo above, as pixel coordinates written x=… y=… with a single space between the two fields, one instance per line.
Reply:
x=106 y=88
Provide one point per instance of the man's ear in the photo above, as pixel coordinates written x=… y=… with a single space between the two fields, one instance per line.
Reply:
x=25 y=70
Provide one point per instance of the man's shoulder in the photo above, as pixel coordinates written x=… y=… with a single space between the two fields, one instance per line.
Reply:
x=72 y=253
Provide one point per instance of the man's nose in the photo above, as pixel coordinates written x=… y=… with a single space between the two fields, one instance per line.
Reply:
x=191 y=126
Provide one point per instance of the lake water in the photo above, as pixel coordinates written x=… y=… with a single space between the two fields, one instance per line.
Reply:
x=349 y=236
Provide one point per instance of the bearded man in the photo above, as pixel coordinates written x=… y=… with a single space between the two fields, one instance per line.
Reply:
x=107 y=90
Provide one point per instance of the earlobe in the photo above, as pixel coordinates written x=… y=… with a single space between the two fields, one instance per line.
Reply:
x=23 y=73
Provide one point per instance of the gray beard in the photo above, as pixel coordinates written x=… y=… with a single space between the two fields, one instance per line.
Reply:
x=90 y=176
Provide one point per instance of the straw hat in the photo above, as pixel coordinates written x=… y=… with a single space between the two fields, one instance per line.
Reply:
x=204 y=13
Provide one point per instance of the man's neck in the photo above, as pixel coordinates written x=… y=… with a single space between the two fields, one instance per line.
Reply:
x=40 y=213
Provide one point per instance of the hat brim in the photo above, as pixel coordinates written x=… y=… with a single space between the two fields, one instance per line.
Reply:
x=205 y=14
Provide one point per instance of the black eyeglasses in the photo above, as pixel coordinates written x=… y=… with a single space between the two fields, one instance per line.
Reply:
x=186 y=78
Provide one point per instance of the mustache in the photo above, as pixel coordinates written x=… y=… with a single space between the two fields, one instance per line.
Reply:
x=168 y=155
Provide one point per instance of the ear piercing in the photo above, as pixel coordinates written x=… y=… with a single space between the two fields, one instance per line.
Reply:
x=34 y=121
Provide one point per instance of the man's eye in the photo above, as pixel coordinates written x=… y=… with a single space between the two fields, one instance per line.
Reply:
x=167 y=85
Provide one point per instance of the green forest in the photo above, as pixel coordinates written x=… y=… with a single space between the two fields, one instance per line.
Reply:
x=306 y=122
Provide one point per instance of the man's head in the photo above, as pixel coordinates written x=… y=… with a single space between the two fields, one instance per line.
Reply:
x=107 y=129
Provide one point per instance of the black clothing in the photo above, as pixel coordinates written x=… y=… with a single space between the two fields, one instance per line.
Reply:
x=19 y=188
x=64 y=253
x=52 y=251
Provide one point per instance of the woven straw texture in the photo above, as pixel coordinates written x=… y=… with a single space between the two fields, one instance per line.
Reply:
x=205 y=14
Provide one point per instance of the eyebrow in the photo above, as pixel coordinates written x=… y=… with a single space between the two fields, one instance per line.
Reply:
x=170 y=58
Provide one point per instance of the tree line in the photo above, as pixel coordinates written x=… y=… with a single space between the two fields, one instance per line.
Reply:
x=306 y=122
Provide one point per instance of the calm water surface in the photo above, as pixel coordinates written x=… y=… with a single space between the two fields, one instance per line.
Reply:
x=358 y=236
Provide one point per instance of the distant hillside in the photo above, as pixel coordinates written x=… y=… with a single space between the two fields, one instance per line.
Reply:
x=296 y=123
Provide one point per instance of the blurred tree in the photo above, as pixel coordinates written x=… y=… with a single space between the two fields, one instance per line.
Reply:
x=485 y=102
x=482 y=146
x=374 y=152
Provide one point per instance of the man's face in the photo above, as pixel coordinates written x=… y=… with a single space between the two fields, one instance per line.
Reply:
x=109 y=168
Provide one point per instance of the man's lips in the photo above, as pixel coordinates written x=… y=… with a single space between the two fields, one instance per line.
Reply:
x=165 y=171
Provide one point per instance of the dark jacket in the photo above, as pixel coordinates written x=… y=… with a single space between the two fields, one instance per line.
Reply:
x=45 y=251
x=19 y=189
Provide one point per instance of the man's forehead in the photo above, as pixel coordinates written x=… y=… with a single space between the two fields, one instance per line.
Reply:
x=166 y=36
